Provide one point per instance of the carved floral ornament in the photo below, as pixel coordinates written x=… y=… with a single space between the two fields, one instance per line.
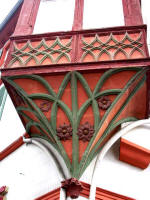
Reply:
x=64 y=132
x=47 y=127
x=73 y=187
x=85 y=132
x=45 y=106
x=104 y=102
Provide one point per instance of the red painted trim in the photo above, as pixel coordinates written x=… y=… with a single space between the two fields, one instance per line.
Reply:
x=53 y=195
x=134 y=154
x=148 y=93
x=77 y=35
x=132 y=12
x=9 y=28
x=12 y=147
x=5 y=49
x=26 y=21
x=101 y=194
x=66 y=67
x=78 y=15
x=114 y=30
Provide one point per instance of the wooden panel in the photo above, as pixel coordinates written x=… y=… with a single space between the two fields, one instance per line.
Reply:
x=120 y=43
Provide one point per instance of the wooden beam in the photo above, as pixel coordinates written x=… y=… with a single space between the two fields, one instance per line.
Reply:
x=132 y=12
x=26 y=21
x=134 y=154
x=78 y=15
x=12 y=147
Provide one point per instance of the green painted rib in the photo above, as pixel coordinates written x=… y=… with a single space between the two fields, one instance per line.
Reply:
x=43 y=120
x=75 y=141
x=108 y=92
x=83 y=165
x=36 y=78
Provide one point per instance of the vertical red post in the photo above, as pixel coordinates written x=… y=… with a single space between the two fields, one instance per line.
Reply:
x=27 y=17
x=78 y=15
x=132 y=12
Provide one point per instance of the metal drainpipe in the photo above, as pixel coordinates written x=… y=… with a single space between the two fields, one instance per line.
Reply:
x=107 y=147
x=65 y=174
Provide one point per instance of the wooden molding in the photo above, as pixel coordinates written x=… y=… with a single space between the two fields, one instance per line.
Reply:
x=12 y=147
x=134 y=154
x=66 y=67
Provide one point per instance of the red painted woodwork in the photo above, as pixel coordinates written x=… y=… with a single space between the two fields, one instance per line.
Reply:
x=132 y=12
x=53 y=195
x=9 y=28
x=101 y=194
x=148 y=93
x=78 y=15
x=27 y=17
x=66 y=67
x=4 y=52
x=77 y=50
x=134 y=154
x=12 y=147
x=55 y=79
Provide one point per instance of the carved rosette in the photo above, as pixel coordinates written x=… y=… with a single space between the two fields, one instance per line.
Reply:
x=45 y=106
x=85 y=132
x=73 y=187
x=104 y=102
x=64 y=132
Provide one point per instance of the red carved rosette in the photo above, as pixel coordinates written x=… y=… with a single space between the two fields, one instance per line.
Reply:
x=73 y=187
x=64 y=132
x=45 y=106
x=85 y=132
x=104 y=102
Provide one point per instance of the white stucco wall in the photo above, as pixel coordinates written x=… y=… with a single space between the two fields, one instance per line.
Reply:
x=102 y=13
x=57 y=15
x=146 y=18
x=30 y=173
x=11 y=127
x=54 y=16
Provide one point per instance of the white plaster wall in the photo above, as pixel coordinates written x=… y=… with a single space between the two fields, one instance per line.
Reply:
x=54 y=15
x=120 y=177
x=11 y=127
x=139 y=136
x=102 y=13
x=57 y=15
x=146 y=18
x=30 y=173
